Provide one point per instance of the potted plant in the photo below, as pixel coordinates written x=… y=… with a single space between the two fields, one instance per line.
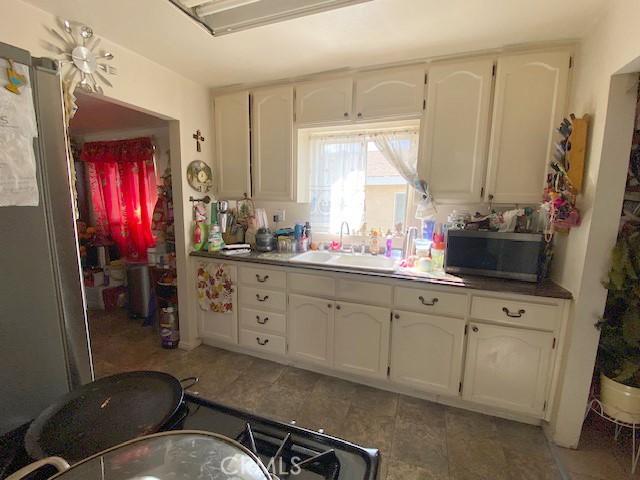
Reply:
x=619 y=350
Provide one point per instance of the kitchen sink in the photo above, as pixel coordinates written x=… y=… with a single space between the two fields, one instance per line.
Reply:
x=346 y=260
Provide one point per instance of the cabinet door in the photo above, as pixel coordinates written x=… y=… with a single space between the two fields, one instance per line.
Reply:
x=361 y=339
x=310 y=322
x=426 y=352
x=232 y=145
x=220 y=327
x=273 y=166
x=508 y=367
x=324 y=102
x=529 y=105
x=456 y=130
x=390 y=93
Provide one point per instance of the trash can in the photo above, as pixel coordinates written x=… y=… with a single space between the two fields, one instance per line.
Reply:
x=141 y=301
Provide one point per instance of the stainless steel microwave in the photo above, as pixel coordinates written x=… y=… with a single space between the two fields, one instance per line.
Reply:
x=516 y=256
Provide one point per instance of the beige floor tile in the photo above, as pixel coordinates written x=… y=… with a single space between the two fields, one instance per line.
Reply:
x=281 y=402
x=370 y=431
x=403 y=471
x=332 y=387
x=263 y=370
x=421 y=444
x=377 y=402
x=324 y=412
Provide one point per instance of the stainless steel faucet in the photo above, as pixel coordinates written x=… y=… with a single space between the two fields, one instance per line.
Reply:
x=341 y=230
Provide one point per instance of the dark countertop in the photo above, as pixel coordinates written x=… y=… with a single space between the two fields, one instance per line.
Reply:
x=546 y=288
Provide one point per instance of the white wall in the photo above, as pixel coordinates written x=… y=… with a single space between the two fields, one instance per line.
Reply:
x=149 y=87
x=582 y=258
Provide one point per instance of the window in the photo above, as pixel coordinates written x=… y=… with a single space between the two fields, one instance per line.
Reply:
x=354 y=176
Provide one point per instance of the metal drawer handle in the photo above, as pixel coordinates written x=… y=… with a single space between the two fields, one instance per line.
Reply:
x=262 y=321
x=263 y=299
x=428 y=304
x=263 y=279
x=475 y=329
x=262 y=342
x=518 y=314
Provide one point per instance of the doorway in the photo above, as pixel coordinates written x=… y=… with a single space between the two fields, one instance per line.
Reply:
x=126 y=235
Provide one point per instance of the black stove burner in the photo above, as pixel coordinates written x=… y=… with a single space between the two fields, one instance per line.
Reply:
x=289 y=452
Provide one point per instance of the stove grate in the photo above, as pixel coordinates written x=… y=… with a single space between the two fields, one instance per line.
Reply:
x=285 y=459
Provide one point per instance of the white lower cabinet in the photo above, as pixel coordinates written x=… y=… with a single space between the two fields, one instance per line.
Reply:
x=221 y=327
x=361 y=339
x=263 y=342
x=426 y=351
x=508 y=367
x=310 y=322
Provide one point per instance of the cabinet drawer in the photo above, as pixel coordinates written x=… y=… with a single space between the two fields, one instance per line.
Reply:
x=364 y=292
x=431 y=301
x=262 y=298
x=263 y=341
x=521 y=314
x=262 y=277
x=314 y=285
x=263 y=321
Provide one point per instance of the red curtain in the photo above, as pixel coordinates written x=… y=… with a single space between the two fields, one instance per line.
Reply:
x=123 y=192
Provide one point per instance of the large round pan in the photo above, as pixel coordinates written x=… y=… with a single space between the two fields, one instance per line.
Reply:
x=103 y=414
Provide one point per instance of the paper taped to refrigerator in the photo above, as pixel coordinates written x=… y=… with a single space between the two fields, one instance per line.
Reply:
x=18 y=128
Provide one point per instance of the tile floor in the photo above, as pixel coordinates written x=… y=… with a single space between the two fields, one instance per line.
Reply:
x=419 y=440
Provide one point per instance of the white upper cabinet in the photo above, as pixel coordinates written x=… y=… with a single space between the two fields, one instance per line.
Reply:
x=232 y=145
x=455 y=131
x=529 y=104
x=426 y=352
x=508 y=367
x=273 y=169
x=310 y=334
x=324 y=102
x=361 y=339
x=390 y=93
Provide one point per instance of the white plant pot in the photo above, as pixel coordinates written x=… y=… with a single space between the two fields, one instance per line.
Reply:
x=620 y=401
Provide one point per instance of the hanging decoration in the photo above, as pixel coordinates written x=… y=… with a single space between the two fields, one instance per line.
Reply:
x=16 y=80
x=565 y=179
x=81 y=65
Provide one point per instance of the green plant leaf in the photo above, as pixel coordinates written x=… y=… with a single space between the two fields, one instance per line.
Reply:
x=631 y=327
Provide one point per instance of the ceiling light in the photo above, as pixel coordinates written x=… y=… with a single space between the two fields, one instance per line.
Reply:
x=221 y=17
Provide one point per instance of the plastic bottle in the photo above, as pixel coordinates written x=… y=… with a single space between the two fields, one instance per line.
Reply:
x=437 y=251
x=388 y=244
x=374 y=242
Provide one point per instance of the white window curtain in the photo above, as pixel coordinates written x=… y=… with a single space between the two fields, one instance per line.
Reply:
x=400 y=148
x=337 y=181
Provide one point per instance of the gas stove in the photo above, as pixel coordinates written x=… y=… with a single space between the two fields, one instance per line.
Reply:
x=288 y=451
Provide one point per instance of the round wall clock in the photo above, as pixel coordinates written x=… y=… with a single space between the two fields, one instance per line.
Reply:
x=199 y=176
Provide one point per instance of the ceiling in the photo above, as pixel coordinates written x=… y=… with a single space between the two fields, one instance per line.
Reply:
x=96 y=115
x=370 y=33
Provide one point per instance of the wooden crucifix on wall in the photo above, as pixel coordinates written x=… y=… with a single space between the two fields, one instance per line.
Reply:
x=198 y=138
